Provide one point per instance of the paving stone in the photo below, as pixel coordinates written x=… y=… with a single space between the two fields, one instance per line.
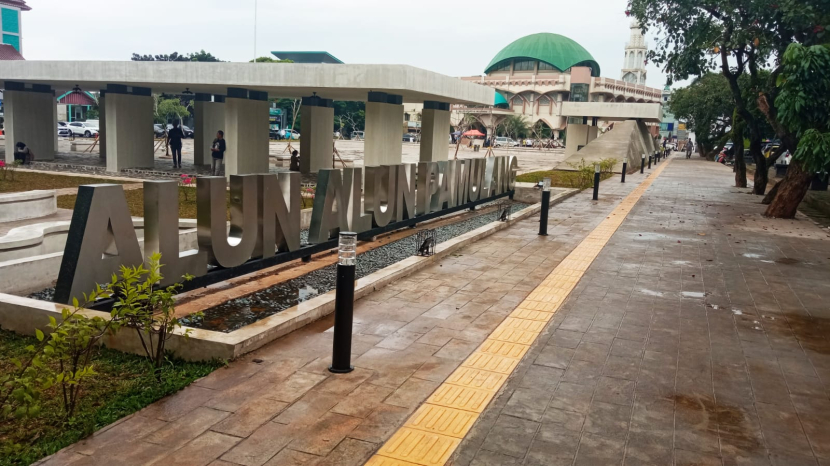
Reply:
x=177 y=433
x=324 y=436
x=412 y=393
x=252 y=415
x=201 y=450
x=363 y=400
x=263 y=444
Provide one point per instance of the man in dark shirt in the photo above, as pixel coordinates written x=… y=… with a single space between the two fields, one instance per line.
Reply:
x=295 y=162
x=23 y=154
x=174 y=140
x=217 y=150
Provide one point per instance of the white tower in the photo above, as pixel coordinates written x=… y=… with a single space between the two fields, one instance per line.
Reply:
x=634 y=65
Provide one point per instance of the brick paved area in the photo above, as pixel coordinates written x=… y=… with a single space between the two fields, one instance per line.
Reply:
x=280 y=406
x=697 y=337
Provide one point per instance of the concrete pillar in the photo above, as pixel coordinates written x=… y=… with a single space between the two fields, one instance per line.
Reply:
x=316 y=142
x=55 y=118
x=593 y=131
x=384 y=130
x=435 y=131
x=31 y=119
x=129 y=114
x=102 y=125
x=577 y=136
x=246 y=132
x=209 y=117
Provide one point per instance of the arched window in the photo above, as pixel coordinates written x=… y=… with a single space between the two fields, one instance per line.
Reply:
x=524 y=65
x=544 y=100
x=503 y=66
x=518 y=101
x=639 y=60
x=630 y=78
x=631 y=60
x=642 y=79
x=546 y=67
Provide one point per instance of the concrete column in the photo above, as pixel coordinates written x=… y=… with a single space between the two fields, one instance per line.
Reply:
x=384 y=133
x=55 y=118
x=316 y=142
x=102 y=125
x=435 y=131
x=593 y=131
x=31 y=119
x=209 y=117
x=129 y=115
x=577 y=136
x=246 y=132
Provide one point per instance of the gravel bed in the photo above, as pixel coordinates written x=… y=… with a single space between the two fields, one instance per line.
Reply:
x=240 y=312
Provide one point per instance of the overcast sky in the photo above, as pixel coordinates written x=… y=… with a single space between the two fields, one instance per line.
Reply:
x=453 y=38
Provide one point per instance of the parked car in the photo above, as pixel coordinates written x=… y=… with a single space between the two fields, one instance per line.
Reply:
x=83 y=128
x=273 y=134
x=289 y=134
x=64 y=131
x=158 y=131
x=502 y=141
x=188 y=131
x=409 y=137
x=63 y=124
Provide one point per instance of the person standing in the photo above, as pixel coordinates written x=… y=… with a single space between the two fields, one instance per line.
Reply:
x=689 y=148
x=174 y=140
x=217 y=150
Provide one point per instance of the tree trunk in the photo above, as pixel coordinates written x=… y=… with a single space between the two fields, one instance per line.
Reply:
x=790 y=191
x=738 y=147
x=761 y=172
x=771 y=194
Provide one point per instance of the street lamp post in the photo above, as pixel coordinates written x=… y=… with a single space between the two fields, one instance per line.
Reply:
x=624 y=169
x=344 y=304
x=643 y=164
x=596 y=181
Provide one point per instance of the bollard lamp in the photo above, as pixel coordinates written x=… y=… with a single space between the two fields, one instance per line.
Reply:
x=347 y=248
x=546 y=184
x=344 y=303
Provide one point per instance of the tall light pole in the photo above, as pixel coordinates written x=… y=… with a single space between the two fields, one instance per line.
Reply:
x=255 y=8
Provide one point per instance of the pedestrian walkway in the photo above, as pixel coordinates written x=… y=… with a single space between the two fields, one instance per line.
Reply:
x=281 y=406
x=698 y=336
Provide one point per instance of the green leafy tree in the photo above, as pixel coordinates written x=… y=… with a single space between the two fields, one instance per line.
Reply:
x=803 y=109
x=161 y=57
x=202 y=56
x=270 y=60
x=167 y=107
x=514 y=127
x=706 y=106
x=739 y=37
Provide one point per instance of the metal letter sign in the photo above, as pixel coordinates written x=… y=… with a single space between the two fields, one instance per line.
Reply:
x=264 y=227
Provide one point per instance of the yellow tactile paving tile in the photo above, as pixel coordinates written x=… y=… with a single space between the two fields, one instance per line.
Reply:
x=477 y=378
x=504 y=348
x=432 y=434
x=490 y=362
x=514 y=336
x=419 y=447
x=523 y=324
x=442 y=420
x=378 y=460
x=465 y=398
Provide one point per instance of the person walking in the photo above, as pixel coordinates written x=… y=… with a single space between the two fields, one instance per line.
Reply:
x=295 y=162
x=689 y=148
x=174 y=140
x=217 y=150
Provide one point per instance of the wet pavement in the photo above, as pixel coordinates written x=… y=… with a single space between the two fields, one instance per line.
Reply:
x=698 y=336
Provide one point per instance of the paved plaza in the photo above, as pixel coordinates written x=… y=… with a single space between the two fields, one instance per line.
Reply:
x=695 y=333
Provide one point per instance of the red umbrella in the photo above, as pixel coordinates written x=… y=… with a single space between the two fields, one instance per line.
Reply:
x=473 y=132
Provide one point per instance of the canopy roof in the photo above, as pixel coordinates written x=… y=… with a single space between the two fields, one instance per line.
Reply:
x=306 y=57
x=556 y=50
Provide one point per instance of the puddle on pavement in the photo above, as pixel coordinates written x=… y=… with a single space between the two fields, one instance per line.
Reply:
x=752 y=255
x=737 y=312
x=693 y=294
x=650 y=292
x=787 y=260
x=719 y=417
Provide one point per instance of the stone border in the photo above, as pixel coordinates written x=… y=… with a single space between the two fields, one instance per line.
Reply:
x=23 y=315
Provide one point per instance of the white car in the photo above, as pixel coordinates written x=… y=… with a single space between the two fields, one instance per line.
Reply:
x=502 y=141
x=83 y=128
x=63 y=131
x=289 y=134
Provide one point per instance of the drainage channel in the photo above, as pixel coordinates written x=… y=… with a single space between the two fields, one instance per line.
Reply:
x=239 y=312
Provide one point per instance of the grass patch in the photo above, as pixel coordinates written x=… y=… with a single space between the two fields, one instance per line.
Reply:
x=124 y=384
x=561 y=178
x=27 y=181
x=135 y=201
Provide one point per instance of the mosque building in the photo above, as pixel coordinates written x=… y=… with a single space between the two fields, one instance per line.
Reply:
x=535 y=74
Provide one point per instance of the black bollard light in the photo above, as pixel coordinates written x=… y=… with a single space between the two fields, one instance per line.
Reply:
x=649 y=162
x=596 y=181
x=625 y=168
x=543 y=216
x=344 y=304
x=643 y=164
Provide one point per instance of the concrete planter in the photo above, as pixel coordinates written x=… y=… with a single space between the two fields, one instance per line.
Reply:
x=29 y=204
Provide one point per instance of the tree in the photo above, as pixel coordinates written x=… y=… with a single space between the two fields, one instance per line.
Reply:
x=706 y=107
x=803 y=108
x=740 y=37
x=270 y=60
x=514 y=126
x=203 y=57
x=350 y=116
x=172 y=57
x=165 y=107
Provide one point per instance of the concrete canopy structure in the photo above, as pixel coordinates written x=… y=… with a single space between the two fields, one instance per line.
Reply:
x=239 y=91
x=306 y=57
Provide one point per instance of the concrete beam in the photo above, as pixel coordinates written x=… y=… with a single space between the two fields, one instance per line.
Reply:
x=30 y=118
x=129 y=141
x=338 y=82
x=316 y=142
x=435 y=131
x=246 y=132
x=102 y=125
x=614 y=111
x=384 y=130
x=209 y=117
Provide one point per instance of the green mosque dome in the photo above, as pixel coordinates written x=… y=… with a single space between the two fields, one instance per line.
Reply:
x=553 y=49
